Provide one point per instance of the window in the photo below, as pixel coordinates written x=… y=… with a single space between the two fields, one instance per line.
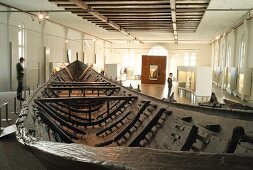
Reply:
x=242 y=53
x=186 y=59
x=228 y=64
x=125 y=60
x=132 y=58
x=223 y=59
x=193 y=59
x=173 y=64
x=190 y=59
x=158 y=50
x=21 y=41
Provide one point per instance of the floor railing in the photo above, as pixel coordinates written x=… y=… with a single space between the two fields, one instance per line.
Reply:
x=11 y=107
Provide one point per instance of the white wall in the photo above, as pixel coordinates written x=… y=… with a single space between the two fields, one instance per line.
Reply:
x=98 y=52
x=89 y=51
x=129 y=54
x=37 y=36
x=54 y=38
x=233 y=40
x=74 y=43
x=4 y=54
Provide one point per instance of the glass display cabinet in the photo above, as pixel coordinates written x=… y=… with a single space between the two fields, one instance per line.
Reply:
x=186 y=77
x=196 y=80
x=217 y=76
x=231 y=77
x=244 y=82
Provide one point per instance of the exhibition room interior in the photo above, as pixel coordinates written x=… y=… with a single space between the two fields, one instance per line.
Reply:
x=172 y=76
x=179 y=37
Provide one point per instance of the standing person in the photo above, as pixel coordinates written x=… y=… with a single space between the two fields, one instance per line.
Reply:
x=169 y=84
x=20 y=76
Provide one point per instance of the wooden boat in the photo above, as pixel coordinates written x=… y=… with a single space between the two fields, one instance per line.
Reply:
x=236 y=105
x=228 y=104
x=80 y=119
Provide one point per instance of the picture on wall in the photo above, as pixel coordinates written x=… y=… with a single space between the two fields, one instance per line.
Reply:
x=153 y=72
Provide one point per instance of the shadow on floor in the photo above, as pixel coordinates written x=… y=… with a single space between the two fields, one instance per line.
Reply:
x=14 y=157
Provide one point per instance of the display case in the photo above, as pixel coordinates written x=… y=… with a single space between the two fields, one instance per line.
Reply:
x=217 y=76
x=186 y=77
x=225 y=78
x=112 y=71
x=243 y=86
x=231 y=77
x=198 y=80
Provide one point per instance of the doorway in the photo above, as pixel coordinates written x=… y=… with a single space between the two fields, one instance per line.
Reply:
x=153 y=69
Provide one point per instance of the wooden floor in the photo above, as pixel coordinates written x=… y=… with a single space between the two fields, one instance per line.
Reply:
x=161 y=91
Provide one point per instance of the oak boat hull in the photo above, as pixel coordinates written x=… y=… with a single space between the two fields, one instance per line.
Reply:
x=176 y=136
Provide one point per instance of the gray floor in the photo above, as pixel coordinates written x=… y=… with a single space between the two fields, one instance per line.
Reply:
x=12 y=154
x=14 y=157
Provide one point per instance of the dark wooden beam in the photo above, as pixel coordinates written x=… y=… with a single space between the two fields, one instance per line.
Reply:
x=99 y=98
x=83 y=88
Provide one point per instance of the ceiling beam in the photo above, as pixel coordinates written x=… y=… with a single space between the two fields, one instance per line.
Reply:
x=139 y=17
x=147 y=21
x=136 y=14
x=58 y=1
x=81 y=4
x=58 y=23
x=174 y=19
x=127 y=2
x=128 y=15
x=138 y=10
x=129 y=6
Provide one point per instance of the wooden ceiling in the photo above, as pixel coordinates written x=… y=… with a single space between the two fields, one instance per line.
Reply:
x=126 y=16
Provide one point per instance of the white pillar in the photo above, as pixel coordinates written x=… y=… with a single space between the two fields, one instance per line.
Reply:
x=66 y=30
x=9 y=59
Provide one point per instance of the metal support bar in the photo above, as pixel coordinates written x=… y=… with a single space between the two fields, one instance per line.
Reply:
x=15 y=106
x=6 y=113
x=1 y=128
x=20 y=103
x=21 y=95
x=29 y=91
x=24 y=93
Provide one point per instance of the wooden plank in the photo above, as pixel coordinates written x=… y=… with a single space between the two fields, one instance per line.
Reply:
x=65 y=99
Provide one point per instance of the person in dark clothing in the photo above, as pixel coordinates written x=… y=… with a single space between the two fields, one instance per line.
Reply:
x=169 y=84
x=20 y=76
